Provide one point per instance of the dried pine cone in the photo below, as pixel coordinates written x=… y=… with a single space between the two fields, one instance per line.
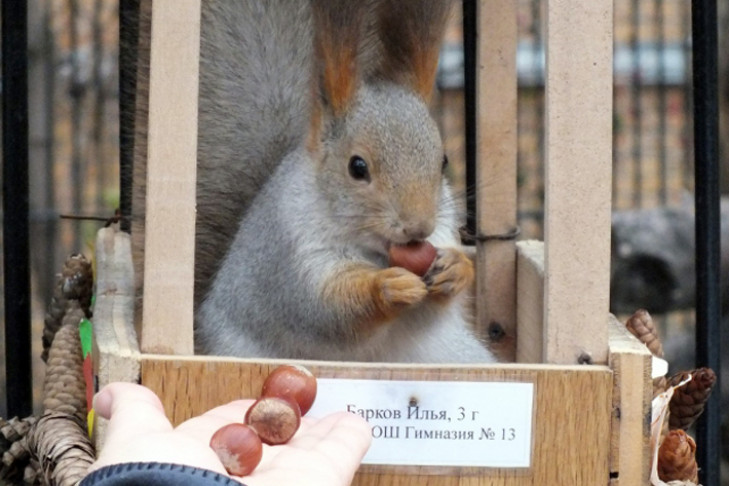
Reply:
x=677 y=458
x=640 y=324
x=32 y=475
x=14 y=449
x=75 y=282
x=65 y=388
x=60 y=444
x=687 y=403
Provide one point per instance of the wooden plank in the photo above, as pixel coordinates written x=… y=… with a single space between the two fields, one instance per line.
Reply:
x=167 y=325
x=630 y=361
x=578 y=179
x=496 y=168
x=115 y=350
x=572 y=410
x=530 y=302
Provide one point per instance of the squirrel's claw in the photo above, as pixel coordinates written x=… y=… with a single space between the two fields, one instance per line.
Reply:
x=399 y=287
x=451 y=272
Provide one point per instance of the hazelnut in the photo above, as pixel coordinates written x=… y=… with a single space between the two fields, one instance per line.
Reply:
x=292 y=382
x=416 y=256
x=238 y=447
x=275 y=419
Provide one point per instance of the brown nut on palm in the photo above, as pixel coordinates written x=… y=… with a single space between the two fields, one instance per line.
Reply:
x=294 y=383
x=276 y=420
x=238 y=447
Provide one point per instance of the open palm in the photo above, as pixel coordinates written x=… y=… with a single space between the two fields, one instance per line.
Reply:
x=324 y=452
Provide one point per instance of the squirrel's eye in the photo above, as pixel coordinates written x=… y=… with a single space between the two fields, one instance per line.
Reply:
x=358 y=168
x=445 y=163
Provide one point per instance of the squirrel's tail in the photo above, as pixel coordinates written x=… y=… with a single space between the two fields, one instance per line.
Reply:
x=254 y=108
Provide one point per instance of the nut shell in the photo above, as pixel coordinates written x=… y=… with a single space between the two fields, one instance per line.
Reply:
x=238 y=447
x=292 y=382
x=416 y=256
x=275 y=419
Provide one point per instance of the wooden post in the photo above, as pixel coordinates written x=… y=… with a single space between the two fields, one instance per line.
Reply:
x=115 y=352
x=530 y=302
x=171 y=175
x=578 y=174
x=496 y=168
x=630 y=454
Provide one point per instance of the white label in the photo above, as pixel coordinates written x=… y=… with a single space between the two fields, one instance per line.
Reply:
x=437 y=423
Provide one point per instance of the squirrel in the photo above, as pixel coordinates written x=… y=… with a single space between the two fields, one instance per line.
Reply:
x=306 y=275
x=316 y=153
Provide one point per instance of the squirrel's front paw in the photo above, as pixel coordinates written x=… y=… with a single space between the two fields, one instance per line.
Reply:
x=451 y=272
x=397 y=288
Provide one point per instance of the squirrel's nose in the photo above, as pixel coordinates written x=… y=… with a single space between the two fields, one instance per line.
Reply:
x=418 y=231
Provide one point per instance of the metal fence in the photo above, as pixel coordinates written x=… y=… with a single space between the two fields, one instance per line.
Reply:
x=72 y=138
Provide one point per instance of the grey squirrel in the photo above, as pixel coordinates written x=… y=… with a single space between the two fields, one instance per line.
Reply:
x=316 y=153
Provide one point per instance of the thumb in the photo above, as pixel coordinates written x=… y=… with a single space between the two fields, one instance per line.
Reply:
x=132 y=410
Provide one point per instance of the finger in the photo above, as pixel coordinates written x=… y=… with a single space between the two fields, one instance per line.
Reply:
x=203 y=427
x=132 y=410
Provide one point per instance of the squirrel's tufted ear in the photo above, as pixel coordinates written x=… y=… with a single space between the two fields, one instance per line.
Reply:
x=338 y=25
x=411 y=32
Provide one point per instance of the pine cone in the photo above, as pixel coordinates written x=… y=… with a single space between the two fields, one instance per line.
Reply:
x=65 y=388
x=677 y=458
x=31 y=475
x=641 y=325
x=687 y=403
x=75 y=282
x=60 y=444
x=14 y=449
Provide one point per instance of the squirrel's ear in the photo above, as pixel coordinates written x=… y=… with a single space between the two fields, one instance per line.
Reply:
x=411 y=33
x=337 y=25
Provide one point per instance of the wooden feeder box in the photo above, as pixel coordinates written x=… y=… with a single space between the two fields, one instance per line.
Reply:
x=589 y=408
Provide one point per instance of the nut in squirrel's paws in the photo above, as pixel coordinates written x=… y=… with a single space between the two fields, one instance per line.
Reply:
x=399 y=287
x=451 y=272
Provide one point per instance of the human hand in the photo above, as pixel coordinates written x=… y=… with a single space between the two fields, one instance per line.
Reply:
x=324 y=452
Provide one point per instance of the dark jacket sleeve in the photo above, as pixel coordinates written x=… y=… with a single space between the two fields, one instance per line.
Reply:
x=155 y=474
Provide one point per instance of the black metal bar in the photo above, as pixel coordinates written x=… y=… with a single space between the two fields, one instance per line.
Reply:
x=99 y=114
x=16 y=255
x=708 y=232
x=128 y=40
x=77 y=94
x=50 y=222
x=470 y=42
